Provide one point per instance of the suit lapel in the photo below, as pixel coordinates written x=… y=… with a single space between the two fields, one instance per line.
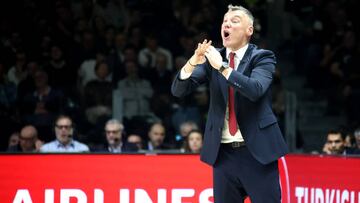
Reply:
x=245 y=60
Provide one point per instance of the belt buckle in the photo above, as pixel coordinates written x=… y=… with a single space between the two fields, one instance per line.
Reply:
x=236 y=144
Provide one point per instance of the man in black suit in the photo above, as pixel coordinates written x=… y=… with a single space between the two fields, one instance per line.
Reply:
x=115 y=144
x=242 y=138
x=157 y=136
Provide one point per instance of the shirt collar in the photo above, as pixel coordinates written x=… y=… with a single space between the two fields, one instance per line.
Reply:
x=116 y=148
x=61 y=145
x=238 y=53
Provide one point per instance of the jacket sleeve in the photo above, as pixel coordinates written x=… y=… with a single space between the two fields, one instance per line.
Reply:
x=181 y=87
x=254 y=86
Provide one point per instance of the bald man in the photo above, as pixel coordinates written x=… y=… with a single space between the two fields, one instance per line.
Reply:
x=28 y=141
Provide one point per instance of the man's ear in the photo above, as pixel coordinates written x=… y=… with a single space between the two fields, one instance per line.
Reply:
x=250 y=30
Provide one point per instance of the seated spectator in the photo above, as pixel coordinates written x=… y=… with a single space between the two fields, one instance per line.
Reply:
x=335 y=144
x=160 y=77
x=156 y=138
x=115 y=143
x=194 y=142
x=357 y=140
x=18 y=72
x=98 y=94
x=184 y=129
x=7 y=91
x=14 y=140
x=28 y=84
x=40 y=106
x=87 y=70
x=62 y=74
x=28 y=141
x=136 y=92
x=149 y=54
x=135 y=139
x=64 y=132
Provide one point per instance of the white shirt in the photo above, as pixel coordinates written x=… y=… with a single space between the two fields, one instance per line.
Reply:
x=136 y=95
x=226 y=136
x=56 y=146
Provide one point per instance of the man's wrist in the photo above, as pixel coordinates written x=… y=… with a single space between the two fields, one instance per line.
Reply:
x=223 y=67
x=186 y=69
x=191 y=63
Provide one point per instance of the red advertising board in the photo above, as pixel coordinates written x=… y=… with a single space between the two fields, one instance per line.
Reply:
x=323 y=179
x=98 y=178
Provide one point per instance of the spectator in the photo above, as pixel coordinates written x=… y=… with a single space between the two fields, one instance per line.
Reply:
x=40 y=107
x=114 y=136
x=7 y=91
x=58 y=69
x=28 y=84
x=335 y=144
x=136 y=139
x=18 y=72
x=14 y=140
x=156 y=138
x=64 y=132
x=357 y=139
x=160 y=77
x=194 y=142
x=87 y=69
x=136 y=92
x=118 y=57
x=98 y=94
x=148 y=55
x=28 y=141
x=185 y=128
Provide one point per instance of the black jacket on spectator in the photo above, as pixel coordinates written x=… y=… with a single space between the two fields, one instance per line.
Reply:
x=125 y=148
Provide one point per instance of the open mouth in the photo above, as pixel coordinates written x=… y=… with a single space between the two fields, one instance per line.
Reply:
x=226 y=34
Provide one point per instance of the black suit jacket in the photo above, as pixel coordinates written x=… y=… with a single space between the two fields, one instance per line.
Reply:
x=252 y=85
x=125 y=148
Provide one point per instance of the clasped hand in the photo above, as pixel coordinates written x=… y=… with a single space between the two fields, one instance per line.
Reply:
x=205 y=49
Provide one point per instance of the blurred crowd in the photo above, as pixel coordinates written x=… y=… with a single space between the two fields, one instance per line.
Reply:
x=95 y=75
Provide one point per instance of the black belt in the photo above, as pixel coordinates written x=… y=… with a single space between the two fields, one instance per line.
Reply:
x=233 y=145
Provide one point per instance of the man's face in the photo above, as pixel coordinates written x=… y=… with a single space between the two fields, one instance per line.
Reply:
x=184 y=130
x=27 y=139
x=236 y=29
x=113 y=134
x=336 y=143
x=157 y=135
x=135 y=139
x=64 y=130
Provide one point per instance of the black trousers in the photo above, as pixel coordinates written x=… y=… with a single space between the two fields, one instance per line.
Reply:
x=237 y=174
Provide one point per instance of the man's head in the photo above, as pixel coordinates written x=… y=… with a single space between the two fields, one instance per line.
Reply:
x=157 y=134
x=335 y=141
x=41 y=79
x=102 y=70
x=114 y=130
x=135 y=139
x=64 y=129
x=186 y=127
x=237 y=27
x=28 y=137
x=131 y=69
